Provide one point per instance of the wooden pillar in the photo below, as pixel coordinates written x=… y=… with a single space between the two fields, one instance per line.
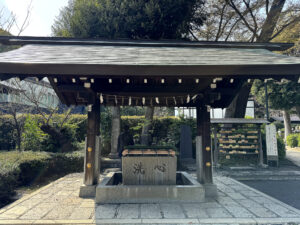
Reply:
x=91 y=164
x=261 y=154
x=216 y=148
x=204 y=159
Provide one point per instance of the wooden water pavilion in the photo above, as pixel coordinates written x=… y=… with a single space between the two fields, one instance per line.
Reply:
x=93 y=72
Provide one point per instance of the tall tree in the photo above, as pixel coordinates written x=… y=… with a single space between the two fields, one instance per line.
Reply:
x=245 y=20
x=150 y=19
x=282 y=95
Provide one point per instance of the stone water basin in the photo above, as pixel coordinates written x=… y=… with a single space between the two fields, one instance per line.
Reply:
x=112 y=190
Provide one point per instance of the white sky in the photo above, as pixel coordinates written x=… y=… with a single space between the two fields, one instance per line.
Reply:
x=42 y=15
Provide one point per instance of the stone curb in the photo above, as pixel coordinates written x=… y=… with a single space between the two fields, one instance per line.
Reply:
x=156 y=221
x=268 y=196
x=277 y=178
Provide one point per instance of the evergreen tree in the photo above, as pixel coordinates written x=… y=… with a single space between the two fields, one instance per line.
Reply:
x=135 y=19
x=281 y=96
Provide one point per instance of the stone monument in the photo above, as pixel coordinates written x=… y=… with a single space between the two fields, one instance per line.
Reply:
x=186 y=150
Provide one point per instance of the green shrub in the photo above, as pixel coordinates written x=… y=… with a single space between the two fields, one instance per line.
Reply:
x=11 y=169
x=292 y=140
x=279 y=125
x=7 y=134
x=281 y=148
x=34 y=138
x=298 y=139
x=32 y=135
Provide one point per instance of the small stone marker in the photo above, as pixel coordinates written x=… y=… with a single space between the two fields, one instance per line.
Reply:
x=271 y=142
x=186 y=150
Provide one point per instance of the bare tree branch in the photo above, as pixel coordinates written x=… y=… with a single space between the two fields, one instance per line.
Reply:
x=267 y=7
x=231 y=29
x=232 y=4
x=191 y=32
x=252 y=16
x=26 y=20
x=284 y=27
x=220 y=23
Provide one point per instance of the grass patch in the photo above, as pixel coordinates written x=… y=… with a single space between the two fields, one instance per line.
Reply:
x=10 y=160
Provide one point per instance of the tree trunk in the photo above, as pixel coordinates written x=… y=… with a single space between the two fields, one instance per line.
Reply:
x=146 y=136
x=298 y=110
x=18 y=128
x=271 y=21
x=115 y=132
x=237 y=108
x=287 y=124
x=63 y=141
x=19 y=137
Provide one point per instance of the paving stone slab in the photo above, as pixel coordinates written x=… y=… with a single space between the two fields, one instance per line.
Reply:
x=236 y=196
x=172 y=211
x=226 y=201
x=239 y=212
x=60 y=212
x=107 y=211
x=151 y=211
x=195 y=211
x=17 y=210
x=82 y=213
x=128 y=211
x=262 y=212
x=35 y=213
x=218 y=213
x=171 y=221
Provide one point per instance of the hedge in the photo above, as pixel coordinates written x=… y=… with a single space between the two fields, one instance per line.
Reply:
x=33 y=138
x=293 y=140
x=24 y=168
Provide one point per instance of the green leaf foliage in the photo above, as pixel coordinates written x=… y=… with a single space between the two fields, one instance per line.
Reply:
x=150 y=19
x=34 y=139
x=292 y=140
x=282 y=95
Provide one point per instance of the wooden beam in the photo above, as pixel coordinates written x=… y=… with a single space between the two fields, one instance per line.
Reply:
x=191 y=71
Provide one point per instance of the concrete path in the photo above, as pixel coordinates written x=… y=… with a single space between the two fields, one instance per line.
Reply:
x=293 y=156
x=58 y=203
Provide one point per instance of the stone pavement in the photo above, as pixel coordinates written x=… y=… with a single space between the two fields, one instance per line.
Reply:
x=293 y=156
x=58 y=203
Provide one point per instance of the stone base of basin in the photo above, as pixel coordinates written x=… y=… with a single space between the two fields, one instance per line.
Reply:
x=87 y=191
x=111 y=190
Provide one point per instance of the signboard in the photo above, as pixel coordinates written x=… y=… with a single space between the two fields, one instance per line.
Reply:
x=271 y=142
